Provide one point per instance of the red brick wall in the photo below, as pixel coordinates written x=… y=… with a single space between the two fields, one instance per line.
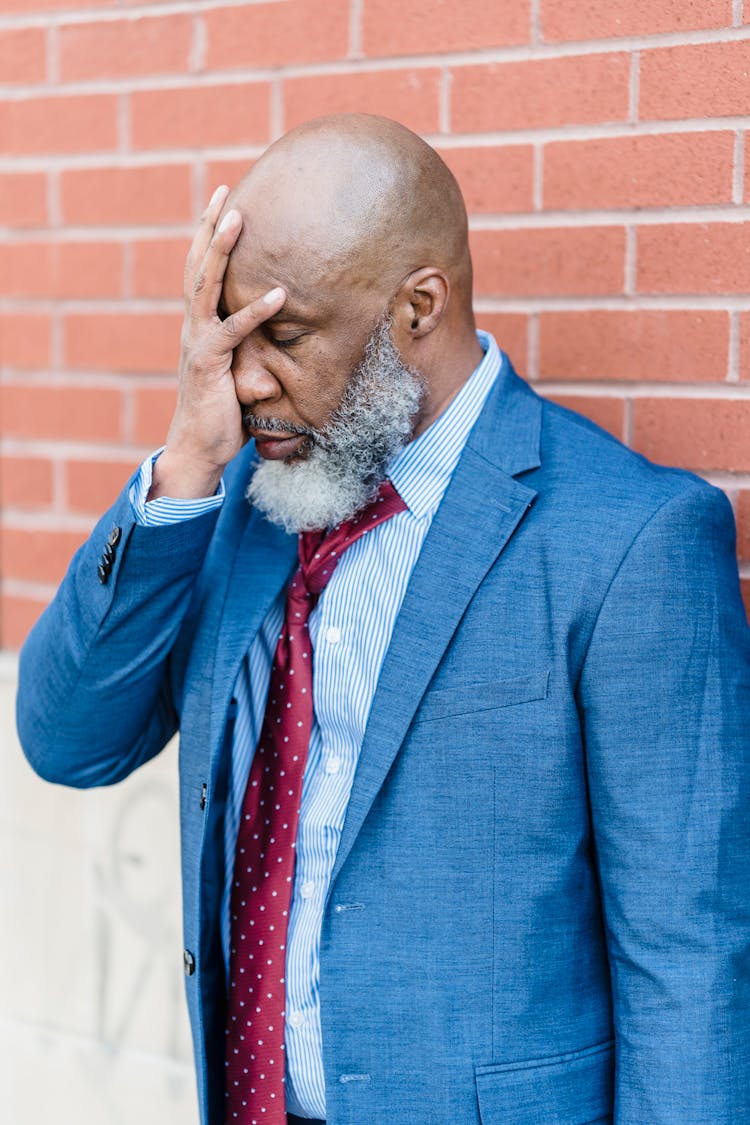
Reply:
x=601 y=147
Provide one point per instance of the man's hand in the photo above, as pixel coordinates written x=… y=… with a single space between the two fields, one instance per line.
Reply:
x=206 y=429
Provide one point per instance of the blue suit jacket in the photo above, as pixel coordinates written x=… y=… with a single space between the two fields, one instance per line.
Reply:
x=539 y=911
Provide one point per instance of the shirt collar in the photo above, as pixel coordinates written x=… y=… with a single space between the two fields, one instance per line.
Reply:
x=422 y=470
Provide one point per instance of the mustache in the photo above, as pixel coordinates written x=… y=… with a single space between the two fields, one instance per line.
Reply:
x=275 y=426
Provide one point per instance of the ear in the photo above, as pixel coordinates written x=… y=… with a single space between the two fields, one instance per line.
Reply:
x=421 y=302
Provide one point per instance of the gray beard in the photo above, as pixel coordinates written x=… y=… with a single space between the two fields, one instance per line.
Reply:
x=347 y=460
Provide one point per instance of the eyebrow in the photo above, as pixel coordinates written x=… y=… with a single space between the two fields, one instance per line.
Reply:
x=285 y=314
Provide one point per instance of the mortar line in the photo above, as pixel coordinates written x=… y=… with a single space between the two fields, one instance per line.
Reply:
x=123 y=122
x=355 y=29
x=483 y=302
x=738 y=176
x=444 y=99
x=53 y=55
x=538 y=187
x=198 y=44
x=507 y=221
x=276 y=109
x=627 y=421
x=623 y=43
x=733 y=361
x=532 y=348
x=473 y=57
x=535 y=22
x=615 y=130
x=635 y=86
x=631 y=260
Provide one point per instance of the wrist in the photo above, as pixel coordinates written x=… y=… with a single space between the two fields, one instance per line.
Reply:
x=183 y=477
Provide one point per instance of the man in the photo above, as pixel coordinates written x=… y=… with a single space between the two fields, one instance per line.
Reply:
x=484 y=858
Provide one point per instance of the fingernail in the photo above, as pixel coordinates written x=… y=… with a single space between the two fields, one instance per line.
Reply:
x=228 y=218
x=273 y=295
x=221 y=188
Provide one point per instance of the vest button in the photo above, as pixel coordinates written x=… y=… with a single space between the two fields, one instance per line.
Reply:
x=189 y=962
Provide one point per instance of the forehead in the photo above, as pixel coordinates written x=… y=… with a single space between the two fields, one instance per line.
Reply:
x=315 y=280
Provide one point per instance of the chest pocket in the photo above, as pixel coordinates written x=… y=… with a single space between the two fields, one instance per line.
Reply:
x=486 y=695
x=572 y=1089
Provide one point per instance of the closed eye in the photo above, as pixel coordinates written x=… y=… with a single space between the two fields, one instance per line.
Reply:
x=286 y=341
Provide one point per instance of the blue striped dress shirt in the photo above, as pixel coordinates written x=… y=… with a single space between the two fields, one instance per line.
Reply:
x=350 y=629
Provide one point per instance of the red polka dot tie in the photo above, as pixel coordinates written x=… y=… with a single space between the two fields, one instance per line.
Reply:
x=264 y=859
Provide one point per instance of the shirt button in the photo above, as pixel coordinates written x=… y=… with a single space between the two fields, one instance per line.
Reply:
x=306 y=890
x=333 y=635
x=296 y=1019
x=333 y=765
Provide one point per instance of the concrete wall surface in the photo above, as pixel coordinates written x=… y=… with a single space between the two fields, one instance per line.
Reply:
x=93 y=1025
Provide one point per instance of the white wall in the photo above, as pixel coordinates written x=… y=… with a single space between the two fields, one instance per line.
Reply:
x=93 y=1028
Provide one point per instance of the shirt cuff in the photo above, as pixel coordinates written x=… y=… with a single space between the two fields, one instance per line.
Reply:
x=165 y=510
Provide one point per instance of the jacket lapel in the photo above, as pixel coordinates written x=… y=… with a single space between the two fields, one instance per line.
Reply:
x=480 y=511
x=263 y=564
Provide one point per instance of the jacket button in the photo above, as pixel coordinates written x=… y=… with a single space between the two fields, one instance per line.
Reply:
x=189 y=962
x=103 y=573
x=109 y=553
x=204 y=794
x=114 y=536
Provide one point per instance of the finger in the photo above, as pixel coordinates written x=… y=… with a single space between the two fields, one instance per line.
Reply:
x=236 y=327
x=210 y=276
x=203 y=237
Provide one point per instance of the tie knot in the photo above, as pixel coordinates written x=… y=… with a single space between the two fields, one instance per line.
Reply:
x=319 y=552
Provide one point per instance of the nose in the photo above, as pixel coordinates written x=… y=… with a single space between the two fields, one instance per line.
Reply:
x=254 y=375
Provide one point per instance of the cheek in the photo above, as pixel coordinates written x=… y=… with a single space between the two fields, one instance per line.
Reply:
x=316 y=383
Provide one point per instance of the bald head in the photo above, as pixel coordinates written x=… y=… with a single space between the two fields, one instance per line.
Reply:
x=355 y=199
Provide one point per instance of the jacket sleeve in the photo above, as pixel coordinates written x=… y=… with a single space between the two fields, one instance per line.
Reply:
x=94 y=698
x=665 y=697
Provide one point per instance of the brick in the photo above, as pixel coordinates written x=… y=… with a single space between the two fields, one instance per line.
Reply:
x=201 y=115
x=23 y=54
x=549 y=262
x=448 y=26
x=60 y=413
x=540 y=93
x=570 y=19
x=75 y=123
x=409 y=96
x=17 y=615
x=745 y=347
x=705 y=80
x=743 y=526
x=93 y=486
x=228 y=172
x=23 y=199
x=288 y=31
x=61 y=269
x=28 y=7
x=494 y=179
x=25 y=339
x=605 y=411
x=511 y=331
x=659 y=345
x=153 y=408
x=38 y=555
x=158 y=193
x=662 y=171
x=129 y=342
x=25 y=482
x=115 y=48
x=158 y=267
x=693 y=433
x=694 y=258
